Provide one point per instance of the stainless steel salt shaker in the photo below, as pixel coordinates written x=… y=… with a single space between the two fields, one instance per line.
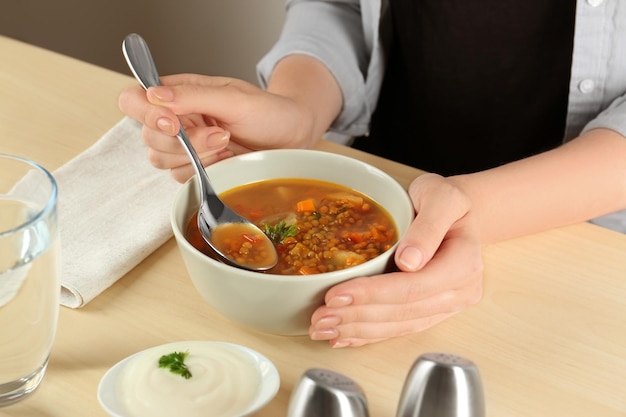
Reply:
x=325 y=393
x=442 y=385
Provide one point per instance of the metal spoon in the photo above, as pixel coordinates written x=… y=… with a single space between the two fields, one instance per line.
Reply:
x=213 y=213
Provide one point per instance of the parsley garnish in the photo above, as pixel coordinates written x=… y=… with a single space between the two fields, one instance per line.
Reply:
x=175 y=361
x=280 y=231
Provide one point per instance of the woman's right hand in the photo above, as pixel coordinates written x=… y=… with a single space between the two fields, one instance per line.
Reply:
x=226 y=116
x=222 y=117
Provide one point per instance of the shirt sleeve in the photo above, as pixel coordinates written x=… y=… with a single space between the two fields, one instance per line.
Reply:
x=332 y=32
x=613 y=117
x=597 y=96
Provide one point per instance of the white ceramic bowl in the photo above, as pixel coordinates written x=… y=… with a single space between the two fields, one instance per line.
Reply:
x=241 y=361
x=275 y=303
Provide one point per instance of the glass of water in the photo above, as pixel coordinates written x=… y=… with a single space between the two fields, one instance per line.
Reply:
x=29 y=275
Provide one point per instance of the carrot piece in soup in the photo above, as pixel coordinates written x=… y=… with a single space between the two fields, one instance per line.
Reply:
x=307 y=270
x=357 y=237
x=305 y=206
x=376 y=235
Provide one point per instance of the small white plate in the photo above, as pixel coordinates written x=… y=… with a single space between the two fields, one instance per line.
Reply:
x=270 y=379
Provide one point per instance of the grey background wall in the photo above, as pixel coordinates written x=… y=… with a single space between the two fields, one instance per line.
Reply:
x=218 y=37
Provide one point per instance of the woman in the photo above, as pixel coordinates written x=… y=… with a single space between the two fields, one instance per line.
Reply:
x=517 y=109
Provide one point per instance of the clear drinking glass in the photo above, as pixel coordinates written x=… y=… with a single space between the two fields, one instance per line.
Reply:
x=29 y=275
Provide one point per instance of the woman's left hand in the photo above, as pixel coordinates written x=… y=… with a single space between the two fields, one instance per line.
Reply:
x=440 y=263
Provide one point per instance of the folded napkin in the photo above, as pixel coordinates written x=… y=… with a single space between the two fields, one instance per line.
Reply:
x=113 y=211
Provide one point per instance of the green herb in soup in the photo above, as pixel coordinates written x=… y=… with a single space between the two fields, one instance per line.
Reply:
x=316 y=226
x=279 y=232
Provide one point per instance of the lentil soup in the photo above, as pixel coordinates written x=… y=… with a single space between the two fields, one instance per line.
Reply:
x=317 y=226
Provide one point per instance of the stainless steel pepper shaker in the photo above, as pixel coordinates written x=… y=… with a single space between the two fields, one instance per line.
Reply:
x=442 y=385
x=325 y=393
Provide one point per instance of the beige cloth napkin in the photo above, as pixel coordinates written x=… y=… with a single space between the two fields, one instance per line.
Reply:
x=113 y=211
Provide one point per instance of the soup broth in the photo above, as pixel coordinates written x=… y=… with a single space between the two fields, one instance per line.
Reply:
x=316 y=226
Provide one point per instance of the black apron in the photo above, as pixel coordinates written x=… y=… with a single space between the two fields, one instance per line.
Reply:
x=472 y=84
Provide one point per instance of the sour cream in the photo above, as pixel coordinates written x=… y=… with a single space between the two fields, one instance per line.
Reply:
x=225 y=381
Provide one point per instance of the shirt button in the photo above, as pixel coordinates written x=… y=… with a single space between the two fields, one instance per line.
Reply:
x=586 y=86
x=594 y=3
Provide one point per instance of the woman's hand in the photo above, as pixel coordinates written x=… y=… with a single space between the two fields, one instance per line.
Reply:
x=225 y=116
x=440 y=264
x=222 y=116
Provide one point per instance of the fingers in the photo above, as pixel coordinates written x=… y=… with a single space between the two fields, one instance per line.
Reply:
x=367 y=333
x=225 y=98
x=166 y=152
x=256 y=118
x=169 y=152
x=155 y=109
x=367 y=310
x=183 y=172
x=438 y=205
x=134 y=101
x=162 y=118
x=357 y=325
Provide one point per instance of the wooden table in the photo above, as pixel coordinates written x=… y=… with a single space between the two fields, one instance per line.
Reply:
x=549 y=336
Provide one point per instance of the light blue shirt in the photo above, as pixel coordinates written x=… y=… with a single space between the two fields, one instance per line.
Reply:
x=343 y=34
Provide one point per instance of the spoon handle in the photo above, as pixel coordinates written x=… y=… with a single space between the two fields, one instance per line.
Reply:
x=140 y=62
x=212 y=212
x=143 y=67
x=216 y=205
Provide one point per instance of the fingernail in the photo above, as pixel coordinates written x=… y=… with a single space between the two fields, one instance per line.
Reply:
x=325 y=334
x=166 y=125
x=340 y=301
x=163 y=93
x=328 y=321
x=339 y=344
x=411 y=258
x=218 y=140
